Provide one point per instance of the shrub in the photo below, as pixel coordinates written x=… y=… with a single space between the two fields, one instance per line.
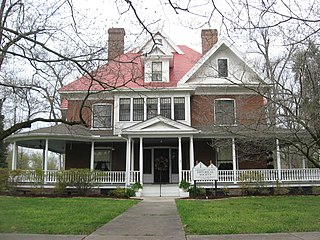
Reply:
x=251 y=183
x=136 y=186
x=4 y=177
x=122 y=193
x=184 y=185
x=197 y=192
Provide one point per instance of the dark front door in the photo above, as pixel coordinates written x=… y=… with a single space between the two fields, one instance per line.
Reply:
x=161 y=165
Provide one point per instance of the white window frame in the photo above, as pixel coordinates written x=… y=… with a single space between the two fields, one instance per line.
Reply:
x=234 y=112
x=156 y=72
x=92 y=115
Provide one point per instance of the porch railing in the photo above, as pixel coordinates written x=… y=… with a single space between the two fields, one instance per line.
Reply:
x=264 y=175
x=225 y=176
x=52 y=176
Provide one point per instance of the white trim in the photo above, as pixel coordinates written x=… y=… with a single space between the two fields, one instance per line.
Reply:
x=234 y=159
x=205 y=58
x=92 y=156
x=46 y=156
x=14 y=156
x=278 y=159
x=180 y=159
x=141 y=160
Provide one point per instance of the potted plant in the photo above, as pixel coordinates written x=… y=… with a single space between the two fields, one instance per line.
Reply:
x=137 y=187
x=184 y=187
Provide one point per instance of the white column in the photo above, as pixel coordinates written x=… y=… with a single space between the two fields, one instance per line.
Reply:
x=303 y=162
x=180 y=158
x=141 y=160
x=278 y=160
x=132 y=155
x=234 y=160
x=128 y=161
x=191 y=153
x=14 y=156
x=46 y=155
x=92 y=157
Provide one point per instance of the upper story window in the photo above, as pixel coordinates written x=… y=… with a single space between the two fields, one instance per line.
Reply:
x=152 y=107
x=156 y=72
x=224 y=112
x=138 y=109
x=102 y=116
x=146 y=108
x=124 y=109
x=165 y=107
x=223 y=67
x=179 y=108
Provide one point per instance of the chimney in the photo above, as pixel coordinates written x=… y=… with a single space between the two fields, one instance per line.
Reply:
x=115 y=42
x=209 y=37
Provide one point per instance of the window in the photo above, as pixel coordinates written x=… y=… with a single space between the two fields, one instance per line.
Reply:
x=101 y=116
x=165 y=107
x=222 y=67
x=224 y=112
x=102 y=159
x=152 y=107
x=138 y=109
x=179 y=108
x=124 y=109
x=156 y=71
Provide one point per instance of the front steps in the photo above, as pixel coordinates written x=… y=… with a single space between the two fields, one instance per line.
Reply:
x=167 y=190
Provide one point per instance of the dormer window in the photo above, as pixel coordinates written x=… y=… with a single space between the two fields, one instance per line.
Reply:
x=156 y=72
x=158 y=41
x=223 y=67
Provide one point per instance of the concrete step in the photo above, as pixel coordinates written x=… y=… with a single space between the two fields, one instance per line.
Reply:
x=167 y=190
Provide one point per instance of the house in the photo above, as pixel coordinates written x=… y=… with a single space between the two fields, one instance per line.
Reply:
x=151 y=114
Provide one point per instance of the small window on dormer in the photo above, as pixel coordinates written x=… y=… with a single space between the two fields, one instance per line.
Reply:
x=156 y=71
x=222 y=67
x=158 y=41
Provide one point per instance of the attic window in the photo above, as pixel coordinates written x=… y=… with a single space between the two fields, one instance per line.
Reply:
x=158 y=41
x=156 y=71
x=223 y=67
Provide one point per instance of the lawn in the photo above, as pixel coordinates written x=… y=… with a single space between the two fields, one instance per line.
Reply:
x=251 y=215
x=58 y=215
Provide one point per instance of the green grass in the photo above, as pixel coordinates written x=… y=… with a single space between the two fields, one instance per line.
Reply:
x=251 y=215
x=58 y=215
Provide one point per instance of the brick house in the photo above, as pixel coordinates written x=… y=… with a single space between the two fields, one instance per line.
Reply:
x=164 y=103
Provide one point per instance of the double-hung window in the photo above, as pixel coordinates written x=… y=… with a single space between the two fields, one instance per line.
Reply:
x=102 y=116
x=152 y=107
x=222 y=67
x=165 y=107
x=138 y=109
x=224 y=112
x=156 y=72
x=179 y=108
x=124 y=109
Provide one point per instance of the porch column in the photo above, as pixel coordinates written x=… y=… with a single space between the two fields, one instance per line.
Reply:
x=278 y=159
x=128 y=161
x=132 y=155
x=191 y=153
x=92 y=157
x=46 y=156
x=14 y=156
x=303 y=162
x=180 y=158
x=234 y=160
x=141 y=160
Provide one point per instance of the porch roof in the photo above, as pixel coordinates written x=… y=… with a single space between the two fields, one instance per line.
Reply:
x=159 y=126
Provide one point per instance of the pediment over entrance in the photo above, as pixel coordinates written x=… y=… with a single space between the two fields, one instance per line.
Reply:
x=159 y=125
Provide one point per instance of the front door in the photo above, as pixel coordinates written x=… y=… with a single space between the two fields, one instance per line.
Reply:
x=161 y=165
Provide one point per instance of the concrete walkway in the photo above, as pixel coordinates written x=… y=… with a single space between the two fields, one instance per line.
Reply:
x=153 y=218
x=156 y=218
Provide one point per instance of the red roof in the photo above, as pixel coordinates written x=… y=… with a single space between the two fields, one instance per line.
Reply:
x=127 y=72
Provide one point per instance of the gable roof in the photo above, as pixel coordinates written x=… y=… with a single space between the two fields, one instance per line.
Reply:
x=205 y=58
x=127 y=72
x=159 y=125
